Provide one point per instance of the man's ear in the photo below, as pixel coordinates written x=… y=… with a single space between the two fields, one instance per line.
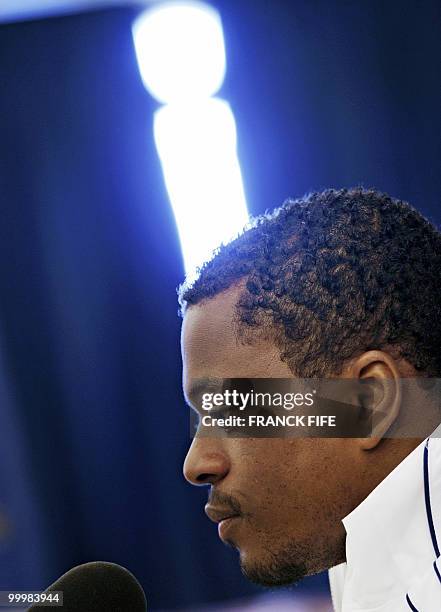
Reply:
x=382 y=377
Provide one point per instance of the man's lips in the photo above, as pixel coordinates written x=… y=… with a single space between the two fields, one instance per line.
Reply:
x=225 y=517
x=217 y=514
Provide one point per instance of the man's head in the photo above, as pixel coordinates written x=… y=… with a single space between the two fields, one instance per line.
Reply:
x=337 y=284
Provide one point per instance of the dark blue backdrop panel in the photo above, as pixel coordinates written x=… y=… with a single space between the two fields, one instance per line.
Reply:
x=324 y=94
x=89 y=264
x=334 y=94
x=22 y=545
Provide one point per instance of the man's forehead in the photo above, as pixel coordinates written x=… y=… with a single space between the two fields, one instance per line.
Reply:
x=211 y=347
x=208 y=329
x=218 y=311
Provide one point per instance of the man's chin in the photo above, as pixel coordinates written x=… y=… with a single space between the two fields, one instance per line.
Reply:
x=273 y=573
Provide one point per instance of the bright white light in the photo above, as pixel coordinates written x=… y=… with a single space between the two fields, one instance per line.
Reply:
x=197 y=147
x=181 y=55
x=180 y=51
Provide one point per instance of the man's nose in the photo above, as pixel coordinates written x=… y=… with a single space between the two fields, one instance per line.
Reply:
x=206 y=462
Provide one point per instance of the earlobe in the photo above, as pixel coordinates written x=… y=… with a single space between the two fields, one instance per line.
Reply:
x=385 y=397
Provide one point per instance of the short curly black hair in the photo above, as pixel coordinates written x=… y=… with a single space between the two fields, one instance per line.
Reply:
x=333 y=274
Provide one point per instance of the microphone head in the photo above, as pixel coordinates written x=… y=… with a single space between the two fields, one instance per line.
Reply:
x=98 y=587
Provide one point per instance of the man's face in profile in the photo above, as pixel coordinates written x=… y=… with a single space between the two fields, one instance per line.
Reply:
x=286 y=497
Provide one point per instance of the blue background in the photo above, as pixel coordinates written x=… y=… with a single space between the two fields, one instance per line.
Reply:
x=94 y=427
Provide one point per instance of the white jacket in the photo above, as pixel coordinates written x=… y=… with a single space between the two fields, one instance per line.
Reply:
x=394 y=540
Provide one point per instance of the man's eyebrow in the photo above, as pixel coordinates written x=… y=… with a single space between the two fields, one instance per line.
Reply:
x=199 y=386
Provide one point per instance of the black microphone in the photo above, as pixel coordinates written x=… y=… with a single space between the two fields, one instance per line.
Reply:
x=97 y=587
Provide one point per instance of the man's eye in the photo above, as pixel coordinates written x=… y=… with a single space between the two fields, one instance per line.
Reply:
x=222 y=413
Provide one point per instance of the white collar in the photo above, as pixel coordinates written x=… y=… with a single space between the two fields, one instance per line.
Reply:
x=389 y=542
